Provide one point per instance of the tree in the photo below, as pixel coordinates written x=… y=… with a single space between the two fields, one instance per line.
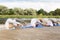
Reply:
x=18 y=11
x=26 y=12
x=30 y=11
x=3 y=10
x=41 y=11
x=52 y=13
x=57 y=12
x=10 y=12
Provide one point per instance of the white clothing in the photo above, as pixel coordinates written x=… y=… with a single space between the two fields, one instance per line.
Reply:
x=11 y=21
x=7 y=23
x=49 y=23
x=15 y=22
x=33 y=22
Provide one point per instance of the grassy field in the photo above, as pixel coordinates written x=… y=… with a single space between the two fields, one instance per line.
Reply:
x=27 y=16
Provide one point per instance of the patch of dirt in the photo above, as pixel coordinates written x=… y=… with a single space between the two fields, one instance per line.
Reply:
x=46 y=33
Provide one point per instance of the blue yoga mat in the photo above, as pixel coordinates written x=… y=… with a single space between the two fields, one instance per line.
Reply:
x=39 y=26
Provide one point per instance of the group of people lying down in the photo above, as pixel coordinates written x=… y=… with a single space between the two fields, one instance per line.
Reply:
x=34 y=23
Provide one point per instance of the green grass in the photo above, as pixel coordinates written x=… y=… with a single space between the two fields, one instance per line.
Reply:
x=17 y=16
x=27 y=16
x=49 y=16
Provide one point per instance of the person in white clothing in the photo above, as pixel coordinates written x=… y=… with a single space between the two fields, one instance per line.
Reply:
x=11 y=23
x=8 y=21
x=34 y=22
x=48 y=22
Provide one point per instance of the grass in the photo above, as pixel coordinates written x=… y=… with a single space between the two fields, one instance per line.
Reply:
x=27 y=16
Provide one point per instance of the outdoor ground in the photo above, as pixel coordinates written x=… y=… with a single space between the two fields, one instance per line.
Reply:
x=46 y=33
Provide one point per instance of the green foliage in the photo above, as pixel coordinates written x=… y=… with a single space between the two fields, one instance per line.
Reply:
x=3 y=10
x=41 y=11
x=57 y=11
x=18 y=11
x=41 y=14
x=27 y=16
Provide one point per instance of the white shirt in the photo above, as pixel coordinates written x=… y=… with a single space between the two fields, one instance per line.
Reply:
x=49 y=23
x=15 y=22
x=10 y=21
x=33 y=22
x=7 y=23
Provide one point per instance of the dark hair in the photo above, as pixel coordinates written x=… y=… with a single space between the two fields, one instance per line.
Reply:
x=41 y=20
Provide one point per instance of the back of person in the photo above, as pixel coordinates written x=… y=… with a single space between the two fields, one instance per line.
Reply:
x=10 y=23
x=49 y=23
x=7 y=23
x=35 y=22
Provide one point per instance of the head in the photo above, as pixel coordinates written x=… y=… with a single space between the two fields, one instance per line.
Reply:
x=40 y=19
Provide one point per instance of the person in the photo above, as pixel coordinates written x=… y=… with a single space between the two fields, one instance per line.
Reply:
x=16 y=23
x=54 y=23
x=11 y=23
x=8 y=21
x=35 y=23
x=49 y=23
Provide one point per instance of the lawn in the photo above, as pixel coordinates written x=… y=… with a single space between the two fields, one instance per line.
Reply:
x=27 y=16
